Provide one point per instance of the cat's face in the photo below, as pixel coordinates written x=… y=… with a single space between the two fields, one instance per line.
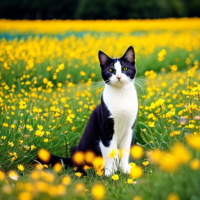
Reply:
x=118 y=71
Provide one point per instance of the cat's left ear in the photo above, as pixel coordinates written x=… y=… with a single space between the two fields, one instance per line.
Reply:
x=103 y=59
x=129 y=55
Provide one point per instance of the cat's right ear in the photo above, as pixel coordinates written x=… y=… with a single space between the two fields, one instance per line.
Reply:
x=103 y=59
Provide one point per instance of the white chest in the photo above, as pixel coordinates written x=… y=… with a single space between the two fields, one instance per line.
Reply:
x=123 y=105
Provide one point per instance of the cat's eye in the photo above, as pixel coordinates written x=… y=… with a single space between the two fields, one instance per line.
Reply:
x=124 y=68
x=112 y=70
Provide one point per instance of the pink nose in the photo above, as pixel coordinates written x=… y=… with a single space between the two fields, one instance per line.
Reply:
x=118 y=77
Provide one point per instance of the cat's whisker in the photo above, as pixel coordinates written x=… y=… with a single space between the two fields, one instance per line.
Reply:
x=139 y=85
x=140 y=79
x=97 y=85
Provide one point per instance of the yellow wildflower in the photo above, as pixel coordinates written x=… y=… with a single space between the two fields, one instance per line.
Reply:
x=194 y=141
x=194 y=164
x=2 y=175
x=20 y=167
x=78 y=174
x=98 y=191
x=136 y=152
x=173 y=197
x=13 y=175
x=44 y=155
x=136 y=172
x=57 y=167
x=66 y=180
x=24 y=195
x=115 y=177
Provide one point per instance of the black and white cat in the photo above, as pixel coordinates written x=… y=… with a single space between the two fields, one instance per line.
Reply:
x=111 y=123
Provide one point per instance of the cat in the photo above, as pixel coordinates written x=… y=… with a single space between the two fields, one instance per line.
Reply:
x=111 y=123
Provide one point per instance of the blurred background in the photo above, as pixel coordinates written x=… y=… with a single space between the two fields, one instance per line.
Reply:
x=98 y=9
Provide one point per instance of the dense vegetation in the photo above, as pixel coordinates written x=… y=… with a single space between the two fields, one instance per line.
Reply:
x=51 y=83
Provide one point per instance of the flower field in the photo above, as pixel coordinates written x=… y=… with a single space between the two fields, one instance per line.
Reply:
x=50 y=82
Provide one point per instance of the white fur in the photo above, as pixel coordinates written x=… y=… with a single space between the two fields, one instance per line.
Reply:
x=121 y=100
x=118 y=69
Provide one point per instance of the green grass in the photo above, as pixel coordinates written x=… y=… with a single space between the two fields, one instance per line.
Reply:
x=59 y=110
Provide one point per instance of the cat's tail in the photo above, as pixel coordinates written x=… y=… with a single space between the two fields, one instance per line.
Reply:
x=52 y=160
x=65 y=162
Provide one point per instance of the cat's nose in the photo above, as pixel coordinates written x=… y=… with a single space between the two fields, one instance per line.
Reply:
x=118 y=77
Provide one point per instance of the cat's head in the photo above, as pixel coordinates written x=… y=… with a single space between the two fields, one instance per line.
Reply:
x=118 y=71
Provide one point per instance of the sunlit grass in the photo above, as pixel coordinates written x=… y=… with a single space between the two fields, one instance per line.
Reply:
x=48 y=92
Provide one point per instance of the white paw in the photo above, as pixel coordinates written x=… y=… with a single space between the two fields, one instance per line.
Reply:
x=126 y=168
x=109 y=171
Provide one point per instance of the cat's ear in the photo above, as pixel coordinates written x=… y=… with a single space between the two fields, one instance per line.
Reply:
x=103 y=58
x=129 y=55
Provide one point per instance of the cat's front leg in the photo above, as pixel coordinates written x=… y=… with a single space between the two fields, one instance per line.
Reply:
x=125 y=147
x=109 y=162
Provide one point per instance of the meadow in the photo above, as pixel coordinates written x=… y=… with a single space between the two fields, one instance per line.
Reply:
x=50 y=82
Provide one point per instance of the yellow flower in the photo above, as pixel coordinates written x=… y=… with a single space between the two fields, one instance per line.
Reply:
x=136 y=152
x=112 y=153
x=49 y=68
x=46 y=140
x=174 y=68
x=79 y=187
x=172 y=134
x=5 y=124
x=21 y=141
x=20 y=167
x=2 y=175
x=57 y=167
x=89 y=157
x=145 y=163
x=11 y=144
x=24 y=196
x=35 y=175
x=99 y=90
x=121 y=153
x=115 y=177
x=44 y=155
x=13 y=175
x=59 y=84
x=181 y=154
x=98 y=191
x=98 y=163
x=151 y=124
x=93 y=75
x=137 y=198
x=82 y=73
x=163 y=84
x=194 y=141
x=194 y=164
x=66 y=180
x=78 y=157
x=61 y=66
x=100 y=172
x=22 y=105
x=132 y=164
x=173 y=197
x=12 y=126
x=136 y=172
x=33 y=147
x=40 y=127
x=73 y=128
x=130 y=181
x=78 y=174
